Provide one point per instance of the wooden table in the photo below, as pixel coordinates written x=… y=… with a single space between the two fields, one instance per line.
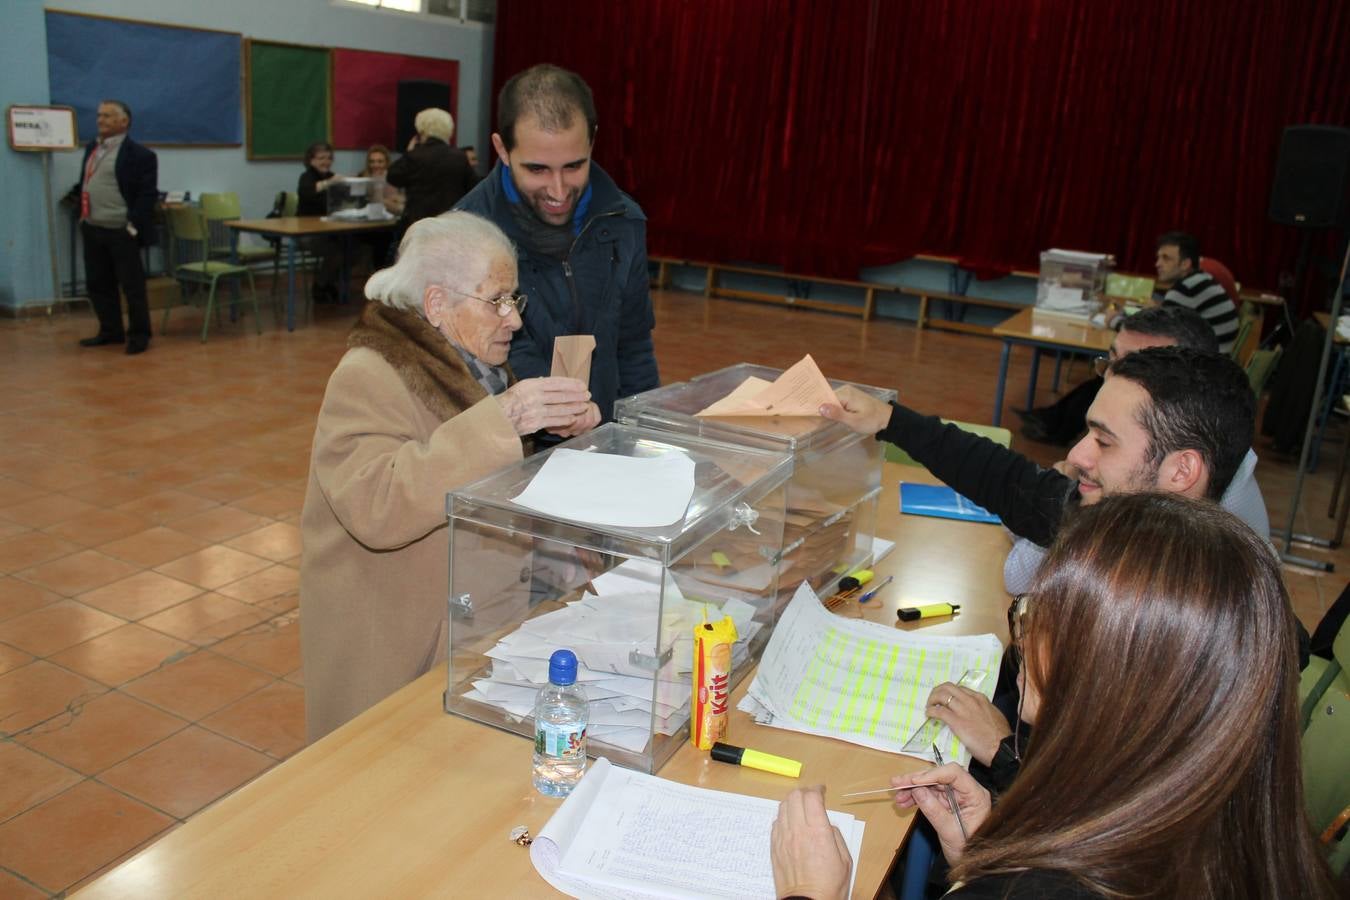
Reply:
x=292 y=229
x=407 y=801
x=1038 y=331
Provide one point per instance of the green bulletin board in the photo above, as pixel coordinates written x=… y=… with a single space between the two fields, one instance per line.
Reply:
x=289 y=92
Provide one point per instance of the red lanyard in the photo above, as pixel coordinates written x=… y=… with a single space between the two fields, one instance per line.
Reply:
x=95 y=157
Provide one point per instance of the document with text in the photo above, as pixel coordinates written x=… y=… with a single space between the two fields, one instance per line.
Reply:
x=625 y=834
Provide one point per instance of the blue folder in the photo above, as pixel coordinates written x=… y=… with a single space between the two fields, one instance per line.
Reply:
x=940 y=502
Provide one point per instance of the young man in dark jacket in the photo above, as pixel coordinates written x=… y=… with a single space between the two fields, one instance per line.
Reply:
x=582 y=241
x=118 y=189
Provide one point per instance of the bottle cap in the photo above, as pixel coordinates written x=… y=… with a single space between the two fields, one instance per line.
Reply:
x=562 y=667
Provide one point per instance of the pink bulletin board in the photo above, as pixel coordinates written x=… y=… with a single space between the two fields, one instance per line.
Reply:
x=365 y=93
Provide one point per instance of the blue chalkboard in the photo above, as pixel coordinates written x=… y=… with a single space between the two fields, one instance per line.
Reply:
x=183 y=85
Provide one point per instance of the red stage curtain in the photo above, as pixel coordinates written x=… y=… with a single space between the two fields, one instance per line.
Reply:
x=827 y=136
x=365 y=93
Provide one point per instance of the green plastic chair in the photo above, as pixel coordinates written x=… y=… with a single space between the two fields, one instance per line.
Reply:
x=1260 y=367
x=1324 y=690
x=1000 y=436
x=224 y=207
x=1240 y=341
x=191 y=238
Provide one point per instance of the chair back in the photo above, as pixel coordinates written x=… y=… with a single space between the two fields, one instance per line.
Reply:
x=187 y=225
x=217 y=209
x=1260 y=366
x=221 y=206
x=292 y=203
x=1223 y=275
x=1240 y=342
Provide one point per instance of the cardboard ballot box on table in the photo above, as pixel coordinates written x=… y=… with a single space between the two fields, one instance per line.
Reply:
x=614 y=545
x=836 y=478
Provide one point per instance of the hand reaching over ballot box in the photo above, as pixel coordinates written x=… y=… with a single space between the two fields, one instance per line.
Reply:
x=860 y=411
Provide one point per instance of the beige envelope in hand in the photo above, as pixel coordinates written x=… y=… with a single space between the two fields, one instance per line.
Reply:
x=799 y=391
x=572 y=357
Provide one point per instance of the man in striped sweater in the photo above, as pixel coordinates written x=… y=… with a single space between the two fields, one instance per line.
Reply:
x=1178 y=263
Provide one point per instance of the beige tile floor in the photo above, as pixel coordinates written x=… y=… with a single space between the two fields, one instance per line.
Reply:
x=149 y=549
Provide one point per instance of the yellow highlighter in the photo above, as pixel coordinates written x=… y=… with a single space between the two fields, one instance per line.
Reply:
x=765 y=762
x=930 y=611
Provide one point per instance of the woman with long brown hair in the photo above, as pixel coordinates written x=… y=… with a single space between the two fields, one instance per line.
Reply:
x=1161 y=671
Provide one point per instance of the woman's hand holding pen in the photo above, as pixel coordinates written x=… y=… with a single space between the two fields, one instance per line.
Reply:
x=973 y=801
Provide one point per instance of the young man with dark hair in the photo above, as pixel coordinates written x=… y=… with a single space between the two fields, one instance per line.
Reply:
x=1063 y=421
x=1166 y=419
x=582 y=241
x=1178 y=265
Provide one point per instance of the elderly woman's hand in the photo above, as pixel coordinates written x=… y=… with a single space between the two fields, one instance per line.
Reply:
x=544 y=403
x=584 y=423
x=810 y=858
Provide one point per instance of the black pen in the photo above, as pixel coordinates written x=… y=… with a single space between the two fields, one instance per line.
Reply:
x=951 y=796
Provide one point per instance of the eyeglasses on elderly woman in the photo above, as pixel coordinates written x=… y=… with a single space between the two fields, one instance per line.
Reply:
x=506 y=303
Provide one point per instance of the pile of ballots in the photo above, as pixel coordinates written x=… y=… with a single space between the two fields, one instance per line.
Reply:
x=608 y=631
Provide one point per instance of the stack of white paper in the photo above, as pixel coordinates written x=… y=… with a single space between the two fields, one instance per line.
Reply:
x=859 y=681
x=630 y=835
x=610 y=489
x=604 y=630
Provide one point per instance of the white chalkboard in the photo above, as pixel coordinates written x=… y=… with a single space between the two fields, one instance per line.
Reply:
x=42 y=128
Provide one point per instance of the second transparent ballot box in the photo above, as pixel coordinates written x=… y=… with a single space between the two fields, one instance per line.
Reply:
x=836 y=478
x=1072 y=283
x=613 y=545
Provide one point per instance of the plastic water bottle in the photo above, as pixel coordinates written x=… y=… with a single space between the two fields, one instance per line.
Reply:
x=560 y=717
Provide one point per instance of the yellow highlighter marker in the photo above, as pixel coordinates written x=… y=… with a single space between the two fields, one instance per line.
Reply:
x=930 y=611
x=765 y=762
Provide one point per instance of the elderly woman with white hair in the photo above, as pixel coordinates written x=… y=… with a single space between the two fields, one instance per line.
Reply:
x=421 y=403
x=433 y=174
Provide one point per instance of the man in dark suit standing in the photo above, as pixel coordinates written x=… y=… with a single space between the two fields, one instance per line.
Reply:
x=118 y=189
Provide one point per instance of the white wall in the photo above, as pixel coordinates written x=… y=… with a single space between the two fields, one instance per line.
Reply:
x=318 y=22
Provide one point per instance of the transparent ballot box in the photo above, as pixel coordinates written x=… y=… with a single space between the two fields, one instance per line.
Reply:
x=836 y=478
x=355 y=198
x=613 y=545
x=1072 y=283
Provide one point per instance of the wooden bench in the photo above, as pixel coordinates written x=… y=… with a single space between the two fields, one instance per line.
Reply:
x=712 y=287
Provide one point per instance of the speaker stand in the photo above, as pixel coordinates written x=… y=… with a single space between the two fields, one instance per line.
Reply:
x=1288 y=534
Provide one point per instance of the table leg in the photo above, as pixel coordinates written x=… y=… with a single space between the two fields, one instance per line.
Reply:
x=234 y=282
x=290 y=283
x=1031 y=380
x=1002 y=382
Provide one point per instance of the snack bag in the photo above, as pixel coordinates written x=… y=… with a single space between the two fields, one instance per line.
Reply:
x=712 y=681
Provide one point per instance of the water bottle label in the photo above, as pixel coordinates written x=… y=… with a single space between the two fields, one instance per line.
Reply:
x=559 y=741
